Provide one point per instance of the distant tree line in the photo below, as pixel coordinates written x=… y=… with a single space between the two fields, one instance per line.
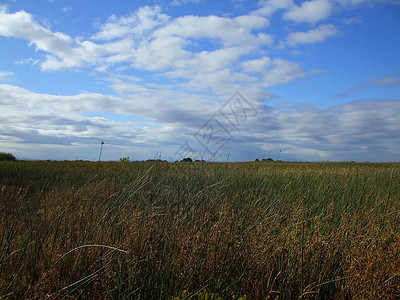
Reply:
x=7 y=156
x=266 y=160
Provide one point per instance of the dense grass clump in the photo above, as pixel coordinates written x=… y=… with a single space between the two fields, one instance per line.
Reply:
x=199 y=230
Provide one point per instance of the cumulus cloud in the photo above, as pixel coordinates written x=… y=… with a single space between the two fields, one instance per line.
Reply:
x=309 y=11
x=180 y=106
x=274 y=71
x=268 y=7
x=175 y=47
x=21 y=25
x=282 y=71
x=141 y=22
x=226 y=31
x=318 y=34
x=257 y=65
x=62 y=51
x=147 y=40
x=313 y=11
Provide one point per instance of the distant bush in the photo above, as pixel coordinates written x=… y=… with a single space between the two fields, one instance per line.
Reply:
x=156 y=160
x=268 y=159
x=124 y=160
x=6 y=156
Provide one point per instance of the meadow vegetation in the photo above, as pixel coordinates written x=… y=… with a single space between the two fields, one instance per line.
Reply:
x=156 y=230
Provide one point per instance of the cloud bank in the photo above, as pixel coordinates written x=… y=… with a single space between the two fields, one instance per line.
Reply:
x=302 y=132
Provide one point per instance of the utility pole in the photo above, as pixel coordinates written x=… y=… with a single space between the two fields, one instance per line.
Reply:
x=101 y=149
x=279 y=154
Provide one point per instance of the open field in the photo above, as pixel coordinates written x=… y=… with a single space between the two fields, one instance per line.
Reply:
x=199 y=230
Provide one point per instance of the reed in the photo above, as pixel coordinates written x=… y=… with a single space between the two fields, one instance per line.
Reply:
x=199 y=230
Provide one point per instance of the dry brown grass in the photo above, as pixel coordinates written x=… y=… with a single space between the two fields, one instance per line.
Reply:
x=206 y=230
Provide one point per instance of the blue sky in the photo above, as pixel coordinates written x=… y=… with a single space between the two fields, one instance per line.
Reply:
x=315 y=80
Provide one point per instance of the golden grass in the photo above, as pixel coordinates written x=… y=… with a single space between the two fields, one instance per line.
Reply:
x=199 y=230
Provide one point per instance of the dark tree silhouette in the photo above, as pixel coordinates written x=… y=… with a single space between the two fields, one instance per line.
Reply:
x=6 y=156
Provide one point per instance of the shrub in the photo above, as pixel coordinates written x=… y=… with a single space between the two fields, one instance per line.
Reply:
x=6 y=156
x=268 y=160
x=124 y=159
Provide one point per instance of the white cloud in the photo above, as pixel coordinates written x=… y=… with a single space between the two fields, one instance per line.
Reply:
x=209 y=61
x=257 y=65
x=47 y=122
x=147 y=103
x=318 y=34
x=21 y=25
x=5 y=75
x=28 y=61
x=268 y=7
x=128 y=84
x=136 y=25
x=177 y=43
x=228 y=32
x=313 y=11
x=51 y=119
x=146 y=39
x=174 y=45
x=44 y=120
x=59 y=46
x=251 y=22
x=349 y=131
x=309 y=11
x=282 y=71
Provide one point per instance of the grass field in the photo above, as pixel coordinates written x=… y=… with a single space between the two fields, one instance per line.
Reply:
x=199 y=230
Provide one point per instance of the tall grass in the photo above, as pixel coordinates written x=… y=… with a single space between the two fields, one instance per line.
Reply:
x=199 y=230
